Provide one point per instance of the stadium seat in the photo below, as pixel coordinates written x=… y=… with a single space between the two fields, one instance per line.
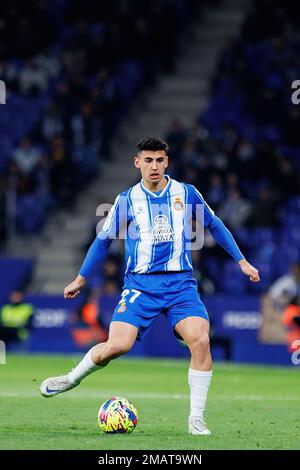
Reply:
x=30 y=213
x=15 y=271
x=232 y=279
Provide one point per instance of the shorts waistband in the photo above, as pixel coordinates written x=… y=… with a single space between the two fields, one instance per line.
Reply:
x=157 y=280
x=160 y=273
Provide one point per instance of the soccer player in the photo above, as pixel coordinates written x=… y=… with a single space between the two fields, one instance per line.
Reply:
x=157 y=214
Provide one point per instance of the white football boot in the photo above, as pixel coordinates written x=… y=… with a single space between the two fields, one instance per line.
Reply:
x=55 y=385
x=197 y=426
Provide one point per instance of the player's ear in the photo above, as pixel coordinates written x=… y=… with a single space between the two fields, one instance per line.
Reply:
x=166 y=161
x=137 y=161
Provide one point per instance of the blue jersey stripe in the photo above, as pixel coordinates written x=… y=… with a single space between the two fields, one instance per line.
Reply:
x=182 y=258
x=151 y=221
x=172 y=244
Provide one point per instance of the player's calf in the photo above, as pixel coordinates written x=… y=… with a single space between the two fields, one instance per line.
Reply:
x=102 y=354
x=96 y=358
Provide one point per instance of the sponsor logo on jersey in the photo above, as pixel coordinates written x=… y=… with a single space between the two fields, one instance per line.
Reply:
x=178 y=204
x=162 y=230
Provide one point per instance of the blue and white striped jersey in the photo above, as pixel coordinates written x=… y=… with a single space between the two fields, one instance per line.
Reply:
x=157 y=228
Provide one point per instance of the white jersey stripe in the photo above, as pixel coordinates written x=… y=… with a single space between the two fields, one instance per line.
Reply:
x=204 y=202
x=177 y=196
x=151 y=225
x=172 y=225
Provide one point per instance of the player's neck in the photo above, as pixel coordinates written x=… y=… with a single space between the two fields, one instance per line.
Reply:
x=155 y=187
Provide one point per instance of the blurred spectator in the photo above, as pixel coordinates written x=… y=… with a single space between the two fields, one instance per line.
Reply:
x=286 y=179
x=26 y=157
x=190 y=175
x=286 y=287
x=232 y=182
x=263 y=212
x=111 y=274
x=64 y=100
x=32 y=79
x=291 y=320
x=190 y=154
x=61 y=170
x=110 y=288
x=176 y=136
x=245 y=161
x=215 y=194
x=205 y=284
x=52 y=122
x=15 y=319
x=73 y=59
x=85 y=127
x=234 y=210
x=48 y=62
x=89 y=329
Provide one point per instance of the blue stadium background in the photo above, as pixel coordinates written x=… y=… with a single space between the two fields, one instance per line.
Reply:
x=84 y=82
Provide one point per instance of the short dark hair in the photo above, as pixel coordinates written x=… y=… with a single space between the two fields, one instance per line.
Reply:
x=152 y=143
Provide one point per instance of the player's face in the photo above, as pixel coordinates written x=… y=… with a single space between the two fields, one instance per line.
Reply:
x=152 y=165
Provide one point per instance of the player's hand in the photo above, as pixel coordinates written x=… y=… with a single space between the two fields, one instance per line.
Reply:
x=73 y=289
x=249 y=270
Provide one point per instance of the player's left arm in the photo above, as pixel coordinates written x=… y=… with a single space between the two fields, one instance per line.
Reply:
x=225 y=239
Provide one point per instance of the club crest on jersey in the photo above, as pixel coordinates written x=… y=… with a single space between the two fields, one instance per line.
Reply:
x=162 y=230
x=178 y=204
x=122 y=308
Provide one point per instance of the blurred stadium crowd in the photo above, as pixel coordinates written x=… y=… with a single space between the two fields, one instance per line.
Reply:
x=243 y=153
x=71 y=75
x=71 y=70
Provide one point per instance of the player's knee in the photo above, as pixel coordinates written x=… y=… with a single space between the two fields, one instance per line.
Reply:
x=200 y=344
x=115 y=350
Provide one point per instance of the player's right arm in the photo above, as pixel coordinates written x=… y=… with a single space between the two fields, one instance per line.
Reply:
x=97 y=251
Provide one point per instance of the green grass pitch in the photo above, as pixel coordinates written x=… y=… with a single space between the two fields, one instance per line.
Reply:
x=249 y=407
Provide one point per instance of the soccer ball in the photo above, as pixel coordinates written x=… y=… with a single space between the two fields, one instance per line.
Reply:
x=117 y=415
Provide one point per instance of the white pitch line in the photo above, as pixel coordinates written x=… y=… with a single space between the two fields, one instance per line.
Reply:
x=149 y=396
